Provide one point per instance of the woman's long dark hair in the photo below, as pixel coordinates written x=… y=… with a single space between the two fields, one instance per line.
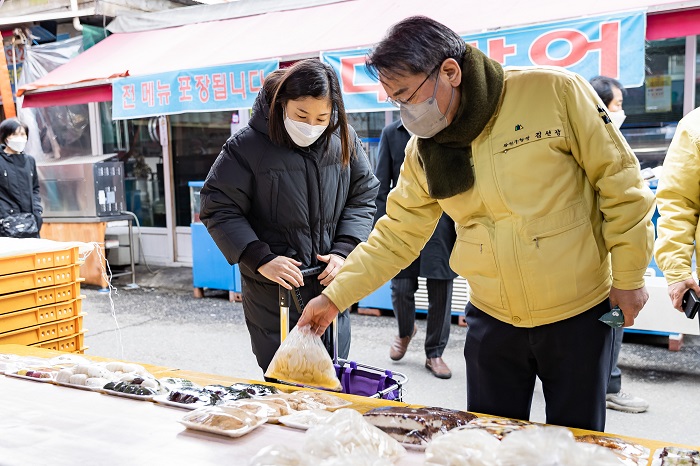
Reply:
x=307 y=78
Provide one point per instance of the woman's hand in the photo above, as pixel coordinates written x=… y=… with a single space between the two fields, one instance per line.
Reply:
x=283 y=270
x=334 y=264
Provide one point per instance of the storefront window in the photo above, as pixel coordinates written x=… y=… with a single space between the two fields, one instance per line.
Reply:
x=196 y=140
x=58 y=132
x=653 y=109
x=137 y=144
x=697 y=76
x=368 y=126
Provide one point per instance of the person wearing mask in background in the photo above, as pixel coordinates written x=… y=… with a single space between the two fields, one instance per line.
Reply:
x=20 y=202
x=612 y=93
x=291 y=190
x=678 y=201
x=433 y=265
x=553 y=219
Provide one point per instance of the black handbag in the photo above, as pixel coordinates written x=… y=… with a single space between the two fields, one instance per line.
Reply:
x=22 y=225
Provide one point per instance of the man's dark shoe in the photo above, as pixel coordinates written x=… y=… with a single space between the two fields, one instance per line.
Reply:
x=438 y=367
x=400 y=345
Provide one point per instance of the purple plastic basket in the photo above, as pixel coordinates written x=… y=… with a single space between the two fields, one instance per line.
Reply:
x=362 y=380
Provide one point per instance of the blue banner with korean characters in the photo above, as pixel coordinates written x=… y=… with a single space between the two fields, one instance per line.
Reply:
x=211 y=89
x=611 y=45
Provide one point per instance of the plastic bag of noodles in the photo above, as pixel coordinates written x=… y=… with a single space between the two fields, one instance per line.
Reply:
x=302 y=359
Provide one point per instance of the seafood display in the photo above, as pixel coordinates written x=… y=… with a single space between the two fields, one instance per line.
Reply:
x=497 y=426
x=629 y=453
x=673 y=456
x=416 y=426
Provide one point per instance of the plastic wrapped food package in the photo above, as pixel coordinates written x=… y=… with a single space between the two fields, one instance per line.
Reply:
x=302 y=359
x=629 y=453
x=227 y=420
x=176 y=383
x=326 y=400
x=294 y=402
x=304 y=419
x=347 y=434
x=675 y=456
x=281 y=455
x=262 y=408
x=363 y=459
x=543 y=446
x=462 y=447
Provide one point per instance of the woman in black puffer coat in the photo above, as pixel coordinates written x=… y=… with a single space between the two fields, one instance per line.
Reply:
x=292 y=190
x=19 y=183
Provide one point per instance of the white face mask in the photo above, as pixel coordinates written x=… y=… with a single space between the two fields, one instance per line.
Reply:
x=617 y=118
x=425 y=119
x=303 y=134
x=16 y=143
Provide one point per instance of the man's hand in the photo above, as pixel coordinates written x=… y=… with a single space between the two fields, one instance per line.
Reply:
x=283 y=270
x=630 y=302
x=677 y=291
x=334 y=264
x=318 y=313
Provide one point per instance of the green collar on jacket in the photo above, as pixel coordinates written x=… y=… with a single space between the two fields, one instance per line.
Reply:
x=446 y=157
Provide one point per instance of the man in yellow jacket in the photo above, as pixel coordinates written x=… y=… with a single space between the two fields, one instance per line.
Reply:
x=553 y=219
x=678 y=199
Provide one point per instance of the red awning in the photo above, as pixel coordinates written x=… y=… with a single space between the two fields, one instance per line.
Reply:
x=293 y=34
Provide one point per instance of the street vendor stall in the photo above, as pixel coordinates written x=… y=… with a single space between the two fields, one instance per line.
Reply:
x=44 y=423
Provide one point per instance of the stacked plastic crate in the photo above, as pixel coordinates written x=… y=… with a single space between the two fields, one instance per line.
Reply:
x=40 y=301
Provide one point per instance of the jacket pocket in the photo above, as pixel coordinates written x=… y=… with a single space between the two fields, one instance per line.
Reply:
x=274 y=195
x=561 y=259
x=4 y=179
x=473 y=258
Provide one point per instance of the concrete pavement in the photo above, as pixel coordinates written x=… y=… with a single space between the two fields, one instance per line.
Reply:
x=161 y=323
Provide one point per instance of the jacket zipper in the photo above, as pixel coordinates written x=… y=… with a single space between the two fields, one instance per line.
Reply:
x=516 y=258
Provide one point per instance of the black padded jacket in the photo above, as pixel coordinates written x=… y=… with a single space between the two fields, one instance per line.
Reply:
x=262 y=200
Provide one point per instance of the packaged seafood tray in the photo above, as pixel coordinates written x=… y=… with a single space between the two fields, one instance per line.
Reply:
x=39 y=278
x=40 y=315
x=44 y=332
x=25 y=262
x=35 y=298
x=69 y=344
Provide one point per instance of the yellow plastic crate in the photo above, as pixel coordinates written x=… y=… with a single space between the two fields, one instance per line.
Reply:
x=38 y=260
x=40 y=315
x=69 y=344
x=39 y=278
x=44 y=332
x=41 y=297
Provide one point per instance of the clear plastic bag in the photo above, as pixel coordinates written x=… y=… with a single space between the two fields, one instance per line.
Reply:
x=545 y=446
x=462 y=447
x=302 y=359
x=281 y=455
x=346 y=434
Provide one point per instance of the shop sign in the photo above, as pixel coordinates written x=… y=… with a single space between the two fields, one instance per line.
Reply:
x=657 y=97
x=610 y=45
x=211 y=89
x=12 y=60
